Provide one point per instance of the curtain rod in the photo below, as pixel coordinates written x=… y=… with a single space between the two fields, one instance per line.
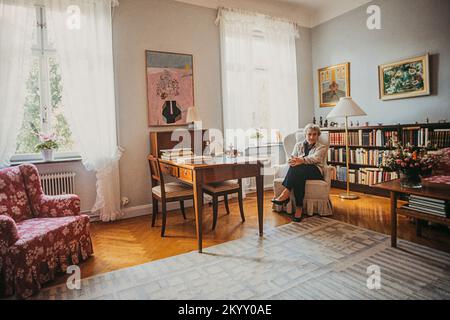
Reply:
x=253 y=13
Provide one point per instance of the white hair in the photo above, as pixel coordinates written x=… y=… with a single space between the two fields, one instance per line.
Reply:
x=312 y=126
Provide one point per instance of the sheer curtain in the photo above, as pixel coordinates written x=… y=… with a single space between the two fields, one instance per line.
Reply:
x=82 y=34
x=17 y=22
x=257 y=49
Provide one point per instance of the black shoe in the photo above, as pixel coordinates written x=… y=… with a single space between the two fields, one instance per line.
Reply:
x=280 y=203
x=295 y=219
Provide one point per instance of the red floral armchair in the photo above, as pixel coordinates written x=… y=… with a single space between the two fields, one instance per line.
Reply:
x=442 y=172
x=39 y=234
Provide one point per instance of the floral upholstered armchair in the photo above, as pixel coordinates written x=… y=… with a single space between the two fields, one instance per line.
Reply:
x=39 y=234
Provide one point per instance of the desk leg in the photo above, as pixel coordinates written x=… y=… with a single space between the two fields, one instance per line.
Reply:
x=198 y=205
x=394 y=219
x=260 y=201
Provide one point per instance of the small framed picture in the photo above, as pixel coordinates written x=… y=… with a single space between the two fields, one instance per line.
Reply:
x=334 y=83
x=404 y=79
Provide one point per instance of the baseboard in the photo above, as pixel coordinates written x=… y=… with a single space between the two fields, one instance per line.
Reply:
x=146 y=209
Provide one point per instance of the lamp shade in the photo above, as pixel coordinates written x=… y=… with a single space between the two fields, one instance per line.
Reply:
x=192 y=115
x=346 y=107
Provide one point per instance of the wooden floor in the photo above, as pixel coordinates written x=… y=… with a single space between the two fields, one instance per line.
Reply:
x=132 y=241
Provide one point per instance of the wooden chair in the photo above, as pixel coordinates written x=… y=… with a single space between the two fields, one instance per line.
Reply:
x=215 y=190
x=166 y=192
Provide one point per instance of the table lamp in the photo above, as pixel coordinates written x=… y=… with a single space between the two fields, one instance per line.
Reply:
x=192 y=117
x=346 y=108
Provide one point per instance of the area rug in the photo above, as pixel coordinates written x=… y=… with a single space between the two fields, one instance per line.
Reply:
x=319 y=258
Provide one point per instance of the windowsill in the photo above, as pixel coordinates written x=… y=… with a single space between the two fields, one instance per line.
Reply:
x=36 y=161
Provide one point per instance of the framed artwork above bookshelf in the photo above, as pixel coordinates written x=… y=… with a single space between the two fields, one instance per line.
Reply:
x=369 y=146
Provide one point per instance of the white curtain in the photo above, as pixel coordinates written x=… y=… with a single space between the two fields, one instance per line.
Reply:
x=82 y=34
x=17 y=22
x=259 y=73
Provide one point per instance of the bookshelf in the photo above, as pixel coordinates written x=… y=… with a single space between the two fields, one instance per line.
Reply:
x=368 y=147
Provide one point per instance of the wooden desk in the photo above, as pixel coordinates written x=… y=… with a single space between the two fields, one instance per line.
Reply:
x=430 y=190
x=216 y=170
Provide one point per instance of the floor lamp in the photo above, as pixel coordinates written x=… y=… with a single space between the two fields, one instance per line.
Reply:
x=346 y=108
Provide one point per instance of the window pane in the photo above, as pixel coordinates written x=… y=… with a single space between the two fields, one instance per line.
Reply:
x=59 y=123
x=31 y=124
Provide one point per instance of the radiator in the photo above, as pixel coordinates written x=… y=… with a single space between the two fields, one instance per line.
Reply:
x=58 y=183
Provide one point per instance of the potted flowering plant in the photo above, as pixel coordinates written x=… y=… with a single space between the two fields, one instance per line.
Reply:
x=411 y=164
x=47 y=145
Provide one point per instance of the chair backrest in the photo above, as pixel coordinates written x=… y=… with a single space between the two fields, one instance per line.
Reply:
x=156 y=174
x=14 y=200
x=291 y=140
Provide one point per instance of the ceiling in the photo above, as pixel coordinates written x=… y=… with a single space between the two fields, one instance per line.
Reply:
x=307 y=13
x=323 y=10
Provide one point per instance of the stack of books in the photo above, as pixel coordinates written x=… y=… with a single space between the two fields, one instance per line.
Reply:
x=175 y=154
x=428 y=205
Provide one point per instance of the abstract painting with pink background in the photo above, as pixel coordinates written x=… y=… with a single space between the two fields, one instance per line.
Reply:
x=170 y=87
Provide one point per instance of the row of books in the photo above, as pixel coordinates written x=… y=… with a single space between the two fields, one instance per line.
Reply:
x=365 y=176
x=428 y=205
x=359 y=156
x=378 y=138
x=415 y=136
x=440 y=138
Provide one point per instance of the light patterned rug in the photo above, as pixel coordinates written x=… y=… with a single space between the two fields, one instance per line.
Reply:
x=319 y=258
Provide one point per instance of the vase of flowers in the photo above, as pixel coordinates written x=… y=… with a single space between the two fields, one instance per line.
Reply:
x=47 y=146
x=412 y=164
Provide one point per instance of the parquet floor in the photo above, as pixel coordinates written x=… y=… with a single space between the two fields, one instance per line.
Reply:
x=132 y=241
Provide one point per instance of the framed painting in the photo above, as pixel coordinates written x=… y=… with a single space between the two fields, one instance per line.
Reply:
x=404 y=79
x=334 y=83
x=170 y=87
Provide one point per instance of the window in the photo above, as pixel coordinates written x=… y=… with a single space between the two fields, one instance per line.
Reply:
x=43 y=112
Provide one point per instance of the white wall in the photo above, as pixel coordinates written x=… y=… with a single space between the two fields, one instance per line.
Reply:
x=165 y=25
x=409 y=28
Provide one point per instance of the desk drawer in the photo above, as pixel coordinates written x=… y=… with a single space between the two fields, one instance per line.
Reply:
x=185 y=175
x=169 y=169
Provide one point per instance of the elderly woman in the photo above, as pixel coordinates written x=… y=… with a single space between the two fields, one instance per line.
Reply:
x=306 y=163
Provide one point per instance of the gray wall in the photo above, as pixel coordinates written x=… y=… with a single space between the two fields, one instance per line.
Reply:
x=164 y=25
x=409 y=28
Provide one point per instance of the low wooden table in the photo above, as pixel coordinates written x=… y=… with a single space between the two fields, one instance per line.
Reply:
x=430 y=190
x=218 y=169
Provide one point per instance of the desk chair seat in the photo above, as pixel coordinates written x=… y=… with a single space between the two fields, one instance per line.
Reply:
x=217 y=189
x=174 y=190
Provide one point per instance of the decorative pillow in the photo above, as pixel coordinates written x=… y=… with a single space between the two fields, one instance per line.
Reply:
x=13 y=197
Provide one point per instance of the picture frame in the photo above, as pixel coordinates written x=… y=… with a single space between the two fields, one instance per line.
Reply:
x=404 y=79
x=334 y=83
x=170 y=87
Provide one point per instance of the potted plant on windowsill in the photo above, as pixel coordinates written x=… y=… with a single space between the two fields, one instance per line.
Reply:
x=47 y=145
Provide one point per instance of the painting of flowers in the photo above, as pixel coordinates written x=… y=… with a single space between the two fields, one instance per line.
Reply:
x=170 y=87
x=405 y=79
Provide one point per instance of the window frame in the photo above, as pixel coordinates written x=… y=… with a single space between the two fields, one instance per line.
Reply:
x=43 y=52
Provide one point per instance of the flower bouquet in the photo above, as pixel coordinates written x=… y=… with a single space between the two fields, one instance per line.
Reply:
x=412 y=163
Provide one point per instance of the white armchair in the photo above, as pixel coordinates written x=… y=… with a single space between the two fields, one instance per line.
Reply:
x=317 y=192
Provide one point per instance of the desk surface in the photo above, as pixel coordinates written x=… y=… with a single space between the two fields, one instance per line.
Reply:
x=213 y=162
x=431 y=190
